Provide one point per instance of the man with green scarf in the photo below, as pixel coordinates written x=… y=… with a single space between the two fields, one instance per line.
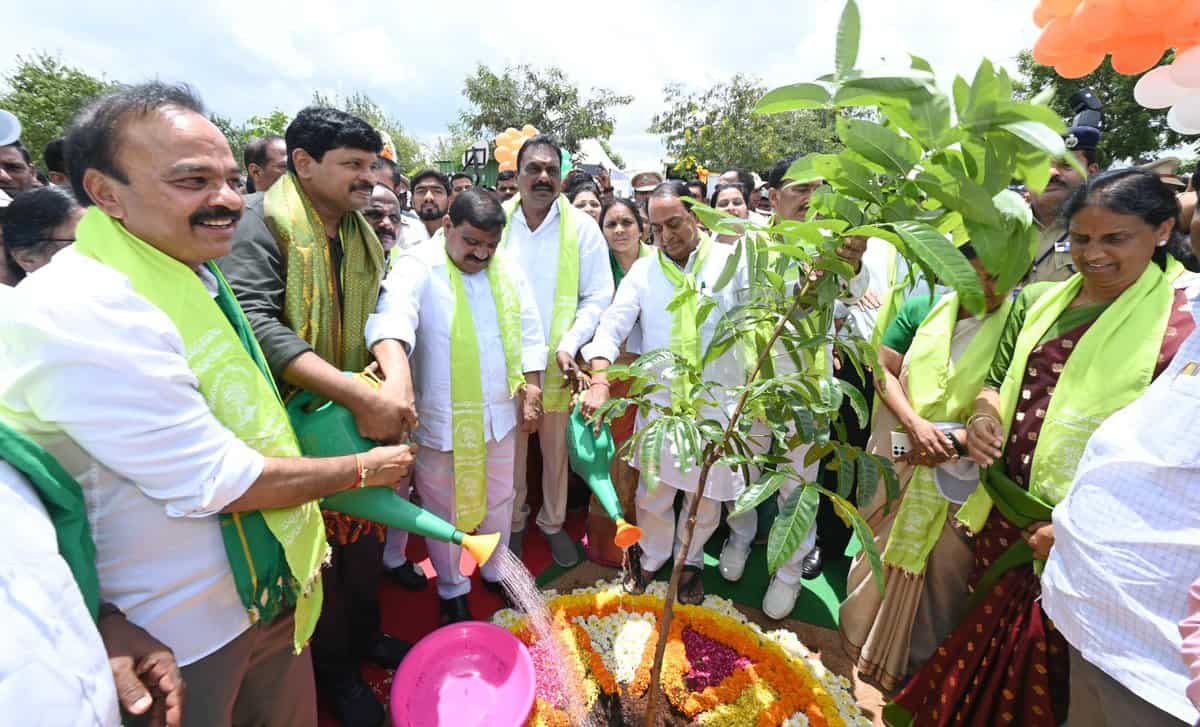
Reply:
x=565 y=258
x=306 y=267
x=467 y=321
x=130 y=362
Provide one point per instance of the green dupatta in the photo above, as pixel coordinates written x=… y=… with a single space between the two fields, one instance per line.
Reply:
x=556 y=396
x=275 y=555
x=685 y=330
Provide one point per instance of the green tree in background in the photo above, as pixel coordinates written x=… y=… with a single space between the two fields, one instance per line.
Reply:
x=44 y=93
x=545 y=98
x=717 y=129
x=1130 y=131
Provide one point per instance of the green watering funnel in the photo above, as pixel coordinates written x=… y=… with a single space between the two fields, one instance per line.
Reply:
x=326 y=429
x=591 y=455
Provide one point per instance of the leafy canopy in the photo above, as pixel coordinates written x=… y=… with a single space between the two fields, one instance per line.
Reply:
x=45 y=94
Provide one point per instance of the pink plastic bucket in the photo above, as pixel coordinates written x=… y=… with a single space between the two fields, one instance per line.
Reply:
x=469 y=674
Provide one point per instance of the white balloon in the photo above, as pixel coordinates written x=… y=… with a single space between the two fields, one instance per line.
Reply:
x=1185 y=71
x=1158 y=90
x=1184 y=116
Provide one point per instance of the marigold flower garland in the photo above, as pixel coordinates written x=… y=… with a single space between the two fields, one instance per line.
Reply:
x=610 y=638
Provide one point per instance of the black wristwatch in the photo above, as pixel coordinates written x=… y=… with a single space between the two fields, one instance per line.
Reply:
x=959 y=447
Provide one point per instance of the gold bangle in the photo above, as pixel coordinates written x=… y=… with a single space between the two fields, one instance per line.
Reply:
x=981 y=415
x=362 y=471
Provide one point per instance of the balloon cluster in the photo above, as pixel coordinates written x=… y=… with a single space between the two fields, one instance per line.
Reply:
x=1078 y=34
x=1176 y=86
x=508 y=143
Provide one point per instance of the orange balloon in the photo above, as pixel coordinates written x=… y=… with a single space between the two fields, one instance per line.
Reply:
x=1152 y=8
x=1060 y=8
x=1095 y=21
x=1138 y=54
x=1054 y=43
x=528 y=131
x=1042 y=16
x=1182 y=29
x=1079 y=65
x=504 y=154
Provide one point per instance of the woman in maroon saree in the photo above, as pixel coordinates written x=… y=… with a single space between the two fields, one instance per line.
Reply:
x=1005 y=664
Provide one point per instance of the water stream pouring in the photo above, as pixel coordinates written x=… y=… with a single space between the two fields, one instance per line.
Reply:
x=591 y=456
x=326 y=429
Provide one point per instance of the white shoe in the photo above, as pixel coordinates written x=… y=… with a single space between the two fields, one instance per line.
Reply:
x=780 y=599
x=733 y=561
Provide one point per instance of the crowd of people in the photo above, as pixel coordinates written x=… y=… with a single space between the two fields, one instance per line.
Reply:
x=168 y=561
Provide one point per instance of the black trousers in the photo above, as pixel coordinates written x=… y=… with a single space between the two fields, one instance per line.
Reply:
x=350 y=615
x=832 y=534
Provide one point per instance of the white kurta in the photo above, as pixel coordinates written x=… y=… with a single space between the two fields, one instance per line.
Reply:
x=53 y=666
x=416 y=307
x=99 y=377
x=536 y=253
x=643 y=298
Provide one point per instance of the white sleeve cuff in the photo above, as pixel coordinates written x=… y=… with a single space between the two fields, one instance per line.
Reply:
x=533 y=358
x=597 y=349
x=381 y=327
x=234 y=473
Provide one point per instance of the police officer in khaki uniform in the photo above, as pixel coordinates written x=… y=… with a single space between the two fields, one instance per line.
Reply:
x=1053 y=259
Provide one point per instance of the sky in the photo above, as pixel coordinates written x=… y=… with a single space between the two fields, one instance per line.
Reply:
x=249 y=57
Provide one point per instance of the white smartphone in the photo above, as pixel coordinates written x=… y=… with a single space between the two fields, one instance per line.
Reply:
x=901 y=444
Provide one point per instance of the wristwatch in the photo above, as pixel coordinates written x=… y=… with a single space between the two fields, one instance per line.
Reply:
x=959 y=447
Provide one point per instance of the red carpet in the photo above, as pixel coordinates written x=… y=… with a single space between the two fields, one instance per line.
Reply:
x=411 y=615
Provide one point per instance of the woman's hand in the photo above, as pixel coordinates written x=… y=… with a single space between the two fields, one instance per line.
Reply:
x=1040 y=537
x=388 y=465
x=985 y=440
x=929 y=442
x=596 y=396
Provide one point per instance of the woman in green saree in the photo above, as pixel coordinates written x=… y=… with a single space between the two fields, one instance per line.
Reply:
x=1071 y=354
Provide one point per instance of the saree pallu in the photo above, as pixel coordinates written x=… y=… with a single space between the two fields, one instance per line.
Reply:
x=1005 y=664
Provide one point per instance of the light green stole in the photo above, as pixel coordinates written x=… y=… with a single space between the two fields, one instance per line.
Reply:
x=939 y=390
x=466 y=384
x=1110 y=366
x=556 y=396
x=685 y=329
x=275 y=555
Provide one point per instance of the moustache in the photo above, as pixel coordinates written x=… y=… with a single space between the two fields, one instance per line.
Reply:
x=543 y=185
x=208 y=214
x=478 y=261
x=361 y=187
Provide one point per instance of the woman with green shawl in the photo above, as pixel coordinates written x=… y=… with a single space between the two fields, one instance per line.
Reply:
x=622 y=227
x=934 y=357
x=1071 y=354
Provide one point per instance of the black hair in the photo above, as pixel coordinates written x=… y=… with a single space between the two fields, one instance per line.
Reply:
x=319 y=129
x=1132 y=191
x=671 y=188
x=712 y=201
x=461 y=175
x=627 y=204
x=24 y=152
x=94 y=136
x=478 y=208
x=256 y=151
x=778 y=172
x=31 y=217
x=540 y=140
x=506 y=175
x=586 y=185
x=697 y=183
x=430 y=173
x=52 y=154
x=746 y=179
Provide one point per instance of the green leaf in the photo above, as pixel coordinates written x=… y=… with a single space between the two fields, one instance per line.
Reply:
x=920 y=63
x=832 y=204
x=731 y=266
x=845 y=471
x=879 y=144
x=766 y=485
x=793 y=97
x=850 y=515
x=791 y=526
x=985 y=87
x=868 y=477
x=857 y=402
x=650 y=454
x=848 y=32
x=896 y=89
x=944 y=261
x=958 y=192
x=1039 y=136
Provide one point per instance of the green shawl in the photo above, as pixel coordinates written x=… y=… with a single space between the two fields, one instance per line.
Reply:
x=556 y=396
x=311 y=304
x=275 y=555
x=63 y=499
x=685 y=330
x=1110 y=366
x=940 y=390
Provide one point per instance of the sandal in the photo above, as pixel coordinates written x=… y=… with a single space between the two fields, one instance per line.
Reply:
x=691 y=587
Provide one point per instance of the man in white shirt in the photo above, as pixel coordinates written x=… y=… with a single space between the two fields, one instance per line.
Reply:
x=430 y=200
x=100 y=376
x=541 y=227
x=414 y=322
x=1126 y=547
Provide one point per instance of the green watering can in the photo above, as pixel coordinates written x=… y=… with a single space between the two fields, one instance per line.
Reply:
x=591 y=456
x=326 y=429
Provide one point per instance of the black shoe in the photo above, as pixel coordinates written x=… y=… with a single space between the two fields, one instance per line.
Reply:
x=495 y=587
x=387 y=651
x=455 y=610
x=409 y=576
x=355 y=704
x=810 y=567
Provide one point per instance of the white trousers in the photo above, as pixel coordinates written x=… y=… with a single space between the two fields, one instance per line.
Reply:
x=662 y=536
x=743 y=528
x=397 y=539
x=434 y=479
x=552 y=436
